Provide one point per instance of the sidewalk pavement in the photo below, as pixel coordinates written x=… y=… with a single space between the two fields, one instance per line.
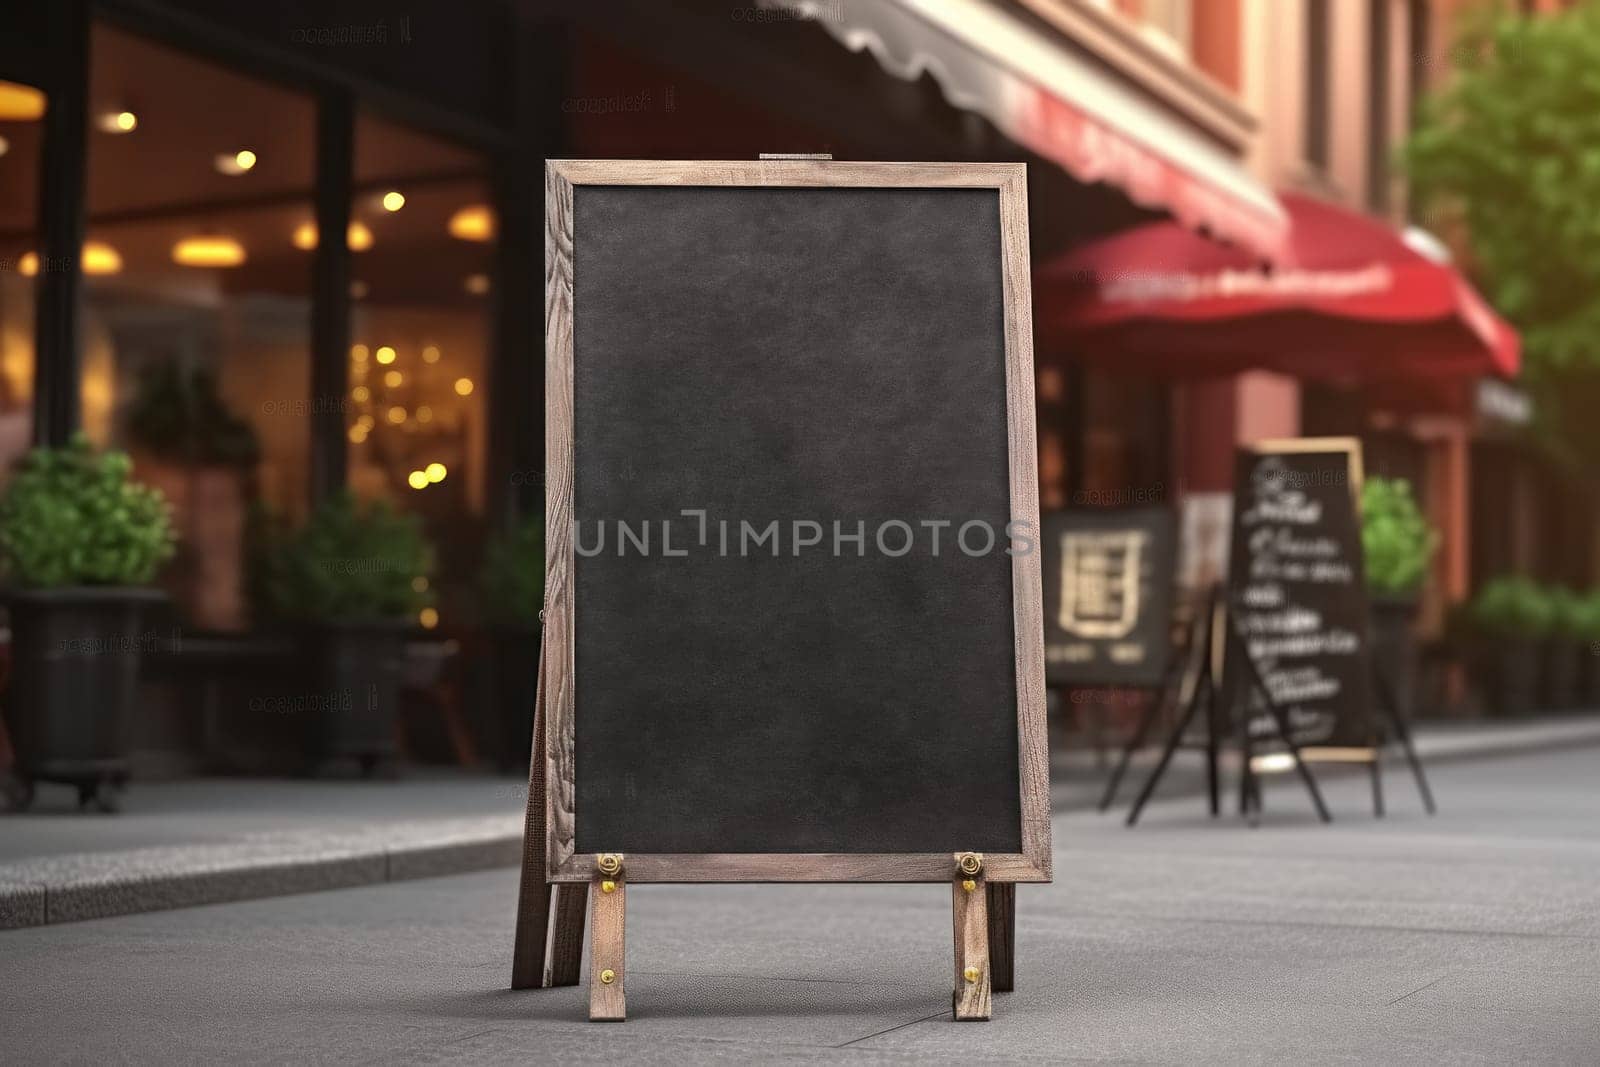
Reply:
x=186 y=843
x=1466 y=938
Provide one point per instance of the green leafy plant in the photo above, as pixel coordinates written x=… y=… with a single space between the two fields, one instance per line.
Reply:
x=1513 y=606
x=1584 y=617
x=73 y=517
x=350 y=562
x=513 y=574
x=181 y=416
x=1396 y=540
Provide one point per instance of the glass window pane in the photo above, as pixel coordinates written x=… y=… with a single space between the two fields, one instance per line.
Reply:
x=21 y=111
x=195 y=318
x=422 y=236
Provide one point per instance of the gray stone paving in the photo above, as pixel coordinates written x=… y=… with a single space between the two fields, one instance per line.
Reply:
x=1473 y=937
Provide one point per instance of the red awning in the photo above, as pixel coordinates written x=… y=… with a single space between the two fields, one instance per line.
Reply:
x=1349 y=302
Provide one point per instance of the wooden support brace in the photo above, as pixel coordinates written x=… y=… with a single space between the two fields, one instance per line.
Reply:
x=607 y=965
x=564 y=961
x=970 y=900
x=1002 y=905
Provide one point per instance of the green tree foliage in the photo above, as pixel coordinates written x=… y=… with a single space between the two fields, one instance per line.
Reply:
x=350 y=562
x=73 y=517
x=1396 y=540
x=1509 y=149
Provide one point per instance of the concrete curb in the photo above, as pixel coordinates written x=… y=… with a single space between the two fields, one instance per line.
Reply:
x=101 y=884
x=96 y=885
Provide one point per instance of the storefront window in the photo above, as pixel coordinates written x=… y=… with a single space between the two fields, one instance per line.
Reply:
x=195 y=317
x=21 y=111
x=423 y=232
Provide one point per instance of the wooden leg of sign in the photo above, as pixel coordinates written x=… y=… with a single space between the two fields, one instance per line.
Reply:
x=1002 y=904
x=564 y=961
x=528 y=970
x=607 y=947
x=970 y=908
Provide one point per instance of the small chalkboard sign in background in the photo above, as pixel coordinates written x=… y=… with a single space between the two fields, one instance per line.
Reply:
x=1297 y=593
x=1284 y=647
x=1108 y=579
x=836 y=355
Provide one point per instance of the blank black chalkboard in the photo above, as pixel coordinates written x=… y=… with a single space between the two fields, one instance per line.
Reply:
x=1297 y=591
x=1108 y=578
x=759 y=374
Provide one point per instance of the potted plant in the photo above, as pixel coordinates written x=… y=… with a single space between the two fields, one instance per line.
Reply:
x=513 y=595
x=187 y=442
x=1511 y=616
x=352 y=580
x=1562 y=649
x=1397 y=544
x=1586 y=623
x=80 y=543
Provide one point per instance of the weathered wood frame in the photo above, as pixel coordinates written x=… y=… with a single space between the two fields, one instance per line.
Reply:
x=562 y=862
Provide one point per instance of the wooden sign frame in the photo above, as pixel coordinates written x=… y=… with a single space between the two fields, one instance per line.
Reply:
x=557 y=880
x=562 y=861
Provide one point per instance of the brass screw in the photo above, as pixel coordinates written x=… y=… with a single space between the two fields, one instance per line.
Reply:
x=970 y=974
x=609 y=863
x=969 y=885
x=970 y=863
x=608 y=886
x=608 y=976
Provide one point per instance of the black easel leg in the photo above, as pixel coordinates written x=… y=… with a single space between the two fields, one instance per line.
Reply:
x=1282 y=721
x=1166 y=756
x=1211 y=773
x=1377 y=787
x=1403 y=734
x=1135 y=743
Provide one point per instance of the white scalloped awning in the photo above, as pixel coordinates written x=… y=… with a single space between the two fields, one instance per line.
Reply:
x=1060 y=105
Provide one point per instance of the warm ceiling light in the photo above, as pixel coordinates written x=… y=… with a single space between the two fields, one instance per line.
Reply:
x=100 y=258
x=435 y=472
x=234 y=164
x=20 y=103
x=476 y=284
x=360 y=394
x=417 y=480
x=393 y=379
x=419 y=584
x=474 y=222
x=366 y=422
x=358 y=352
x=358 y=434
x=208 y=251
x=358 y=237
x=393 y=201
x=397 y=415
x=385 y=355
x=430 y=354
x=5 y=146
x=116 y=122
x=463 y=386
x=428 y=617
x=424 y=413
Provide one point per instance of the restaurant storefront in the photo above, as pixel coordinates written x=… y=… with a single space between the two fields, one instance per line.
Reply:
x=316 y=237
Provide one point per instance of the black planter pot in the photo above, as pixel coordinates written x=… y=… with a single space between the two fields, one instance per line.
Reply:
x=1589 y=653
x=75 y=685
x=516 y=689
x=1561 y=667
x=352 y=694
x=1513 y=674
x=1394 y=646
